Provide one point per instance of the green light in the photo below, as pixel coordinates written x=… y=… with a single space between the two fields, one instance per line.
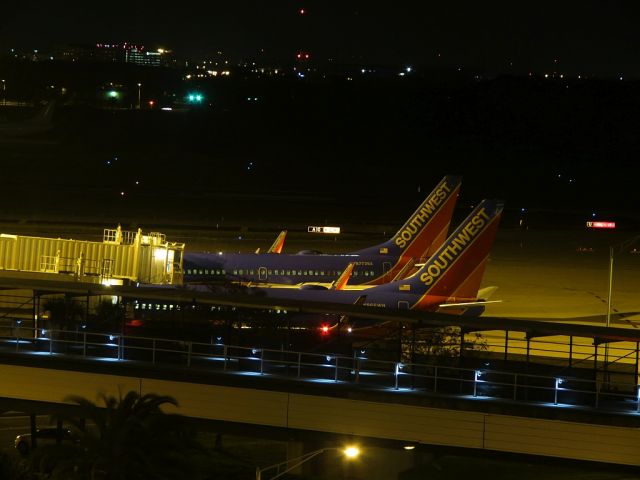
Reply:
x=195 y=97
x=113 y=94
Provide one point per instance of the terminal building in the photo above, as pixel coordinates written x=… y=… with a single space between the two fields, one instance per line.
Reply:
x=123 y=257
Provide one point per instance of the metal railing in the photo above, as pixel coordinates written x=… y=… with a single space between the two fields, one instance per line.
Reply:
x=329 y=368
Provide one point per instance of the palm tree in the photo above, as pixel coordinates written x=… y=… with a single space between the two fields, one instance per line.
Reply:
x=129 y=438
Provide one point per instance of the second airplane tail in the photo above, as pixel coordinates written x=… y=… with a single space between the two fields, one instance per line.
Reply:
x=455 y=270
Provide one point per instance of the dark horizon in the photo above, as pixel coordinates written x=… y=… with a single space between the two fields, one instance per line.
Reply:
x=575 y=37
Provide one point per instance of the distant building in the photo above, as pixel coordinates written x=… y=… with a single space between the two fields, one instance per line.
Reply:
x=115 y=53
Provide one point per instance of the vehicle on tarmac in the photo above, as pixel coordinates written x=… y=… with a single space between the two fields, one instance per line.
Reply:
x=44 y=436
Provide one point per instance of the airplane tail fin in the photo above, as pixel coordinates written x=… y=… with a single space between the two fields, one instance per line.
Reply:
x=455 y=270
x=424 y=231
x=406 y=270
x=344 y=277
x=278 y=243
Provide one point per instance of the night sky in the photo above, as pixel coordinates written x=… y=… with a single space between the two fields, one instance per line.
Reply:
x=573 y=36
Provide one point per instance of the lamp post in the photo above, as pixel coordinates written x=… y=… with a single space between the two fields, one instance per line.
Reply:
x=349 y=452
x=139 y=85
x=613 y=250
x=4 y=92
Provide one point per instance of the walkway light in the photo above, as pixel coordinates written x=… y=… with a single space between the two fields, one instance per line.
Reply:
x=350 y=452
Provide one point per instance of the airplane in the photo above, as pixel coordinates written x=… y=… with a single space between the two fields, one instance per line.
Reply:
x=422 y=233
x=40 y=123
x=449 y=281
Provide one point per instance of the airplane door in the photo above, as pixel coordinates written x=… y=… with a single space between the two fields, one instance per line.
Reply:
x=403 y=305
x=386 y=266
x=262 y=273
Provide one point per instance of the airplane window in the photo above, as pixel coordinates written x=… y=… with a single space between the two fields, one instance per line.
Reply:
x=235 y=272
x=306 y=272
x=281 y=272
x=270 y=271
x=217 y=272
x=206 y=271
x=288 y=272
x=299 y=272
x=224 y=272
x=321 y=272
x=252 y=272
x=241 y=272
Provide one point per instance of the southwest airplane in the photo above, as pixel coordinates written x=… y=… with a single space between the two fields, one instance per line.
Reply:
x=449 y=281
x=422 y=234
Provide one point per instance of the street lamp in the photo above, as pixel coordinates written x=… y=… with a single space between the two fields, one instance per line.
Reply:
x=139 y=85
x=4 y=92
x=349 y=452
x=613 y=250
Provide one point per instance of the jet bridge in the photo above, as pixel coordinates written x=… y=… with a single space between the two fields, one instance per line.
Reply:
x=122 y=257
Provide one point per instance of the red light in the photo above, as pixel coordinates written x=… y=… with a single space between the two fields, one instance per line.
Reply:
x=299 y=55
x=306 y=55
x=324 y=329
x=302 y=11
x=152 y=103
x=601 y=224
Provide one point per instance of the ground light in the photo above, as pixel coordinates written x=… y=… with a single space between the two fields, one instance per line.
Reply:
x=350 y=452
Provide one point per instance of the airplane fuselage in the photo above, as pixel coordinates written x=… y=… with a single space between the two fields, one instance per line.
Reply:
x=286 y=269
